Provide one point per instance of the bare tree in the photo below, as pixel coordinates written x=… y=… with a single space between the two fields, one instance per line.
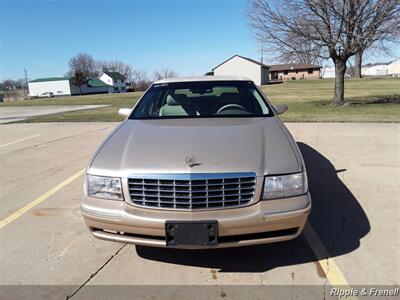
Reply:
x=164 y=73
x=379 y=47
x=116 y=66
x=340 y=29
x=140 y=81
x=11 y=84
x=83 y=63
x=13 y=89
x=79 y=79
x=358 y=64
x=300 y=50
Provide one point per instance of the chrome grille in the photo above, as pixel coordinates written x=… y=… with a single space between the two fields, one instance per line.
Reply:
x=192 y=191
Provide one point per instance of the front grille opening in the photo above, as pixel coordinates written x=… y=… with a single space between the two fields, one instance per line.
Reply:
x=221 y=239
x=260 y=235
x=194 y=193
x=143 y=236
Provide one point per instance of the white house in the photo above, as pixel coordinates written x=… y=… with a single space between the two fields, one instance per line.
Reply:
x=115 y=79
x=375 y=70
x=393 y=69
x=386 y=69
x=329 y=72
x=243 y=66
x=64 y=86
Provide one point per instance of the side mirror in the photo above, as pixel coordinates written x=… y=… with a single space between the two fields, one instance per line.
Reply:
x=124 y=111
x=281 y=108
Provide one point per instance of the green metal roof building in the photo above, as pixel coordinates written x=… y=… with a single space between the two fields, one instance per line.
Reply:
x=66 y=85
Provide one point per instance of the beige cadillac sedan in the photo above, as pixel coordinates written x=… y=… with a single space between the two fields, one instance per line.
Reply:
x=200 y=162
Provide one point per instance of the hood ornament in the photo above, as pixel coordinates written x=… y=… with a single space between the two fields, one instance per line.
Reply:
x=191 y=161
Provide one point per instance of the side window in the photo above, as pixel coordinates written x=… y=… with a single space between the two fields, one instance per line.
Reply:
x=150 y=103
x=260 y=101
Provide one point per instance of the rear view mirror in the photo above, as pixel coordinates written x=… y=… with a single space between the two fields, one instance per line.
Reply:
x=281 y=108
x=124 y=111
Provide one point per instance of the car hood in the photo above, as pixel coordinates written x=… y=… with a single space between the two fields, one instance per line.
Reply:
x=257 y=145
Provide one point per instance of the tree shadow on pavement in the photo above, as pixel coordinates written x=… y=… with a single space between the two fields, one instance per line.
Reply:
x=336 y=217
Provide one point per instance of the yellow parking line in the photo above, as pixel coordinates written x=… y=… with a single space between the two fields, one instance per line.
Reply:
x=39 y=199
x=333 y=274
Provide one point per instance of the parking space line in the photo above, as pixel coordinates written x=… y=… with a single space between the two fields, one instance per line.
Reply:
x=20 y=140
x=333 y=274
x=39 y=200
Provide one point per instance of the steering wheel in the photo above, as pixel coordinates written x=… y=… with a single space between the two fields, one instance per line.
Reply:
x=225 y=107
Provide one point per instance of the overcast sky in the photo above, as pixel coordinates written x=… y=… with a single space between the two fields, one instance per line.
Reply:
x=189 y=36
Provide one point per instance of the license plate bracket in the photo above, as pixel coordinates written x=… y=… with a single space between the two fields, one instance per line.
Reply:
x=191 y=233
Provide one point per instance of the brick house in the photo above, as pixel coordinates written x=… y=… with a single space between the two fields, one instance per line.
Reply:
x=294 y=72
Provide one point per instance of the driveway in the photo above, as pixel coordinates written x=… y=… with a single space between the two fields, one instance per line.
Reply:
x=18 y=113
x=352 y=240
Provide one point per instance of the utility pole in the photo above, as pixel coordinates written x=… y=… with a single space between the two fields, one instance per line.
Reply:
x=26 y=83
x=262 y=52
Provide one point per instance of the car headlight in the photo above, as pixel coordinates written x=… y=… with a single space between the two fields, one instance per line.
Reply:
x=285 y=186
x=104 y=187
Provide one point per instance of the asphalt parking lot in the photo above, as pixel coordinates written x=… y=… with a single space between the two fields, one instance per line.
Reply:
x=353 y=237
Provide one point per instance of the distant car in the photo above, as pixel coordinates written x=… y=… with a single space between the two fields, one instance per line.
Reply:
x=200 y=162
x=46 y=95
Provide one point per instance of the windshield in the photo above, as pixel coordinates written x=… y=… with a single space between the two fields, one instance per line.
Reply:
x=206 y=99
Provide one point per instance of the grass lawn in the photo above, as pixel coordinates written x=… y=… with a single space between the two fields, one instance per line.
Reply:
x=105 y=114
x=370 y=100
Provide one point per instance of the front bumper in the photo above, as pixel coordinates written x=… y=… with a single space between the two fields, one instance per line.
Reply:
x=263 y=222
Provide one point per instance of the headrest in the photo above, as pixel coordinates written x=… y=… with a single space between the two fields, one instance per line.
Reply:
x=231 y=98
x=173 y=100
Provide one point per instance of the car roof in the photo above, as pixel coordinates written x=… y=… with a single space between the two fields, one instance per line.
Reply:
x=202 y=79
